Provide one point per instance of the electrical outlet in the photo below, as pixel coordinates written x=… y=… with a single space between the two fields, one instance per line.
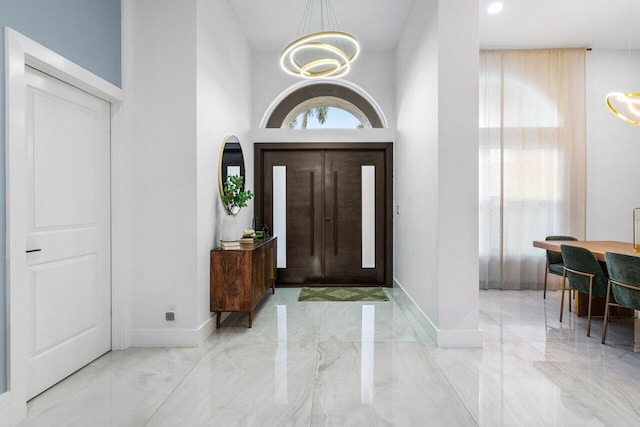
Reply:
x=170 y=315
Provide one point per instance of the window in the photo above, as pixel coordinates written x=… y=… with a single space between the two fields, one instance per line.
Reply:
x=326 y=112
x=325 y=106
x=532 y=160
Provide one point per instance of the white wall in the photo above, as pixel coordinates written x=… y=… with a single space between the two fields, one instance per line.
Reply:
x=163 y=137
x=458 y=270
x=613 y=146
x=416 y=159
x=437 y=167
x=189 y=83
x=223 y=107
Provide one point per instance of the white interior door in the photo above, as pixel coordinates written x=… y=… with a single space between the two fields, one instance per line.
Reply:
x=68 y=229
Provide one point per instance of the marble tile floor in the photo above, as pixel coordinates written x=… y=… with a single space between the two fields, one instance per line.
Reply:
x=364 y=364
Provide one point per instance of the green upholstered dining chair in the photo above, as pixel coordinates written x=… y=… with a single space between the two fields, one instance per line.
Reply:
x=585 y=274
x=623 y=289
x=555 y=265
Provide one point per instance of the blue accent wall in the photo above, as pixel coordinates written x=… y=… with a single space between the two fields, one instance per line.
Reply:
x=86 y=32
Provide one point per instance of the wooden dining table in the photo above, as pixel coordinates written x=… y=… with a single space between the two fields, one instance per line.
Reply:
x=598 y=248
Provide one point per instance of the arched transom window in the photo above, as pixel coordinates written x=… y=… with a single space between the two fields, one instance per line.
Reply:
x=324 y=106
x=326 y=112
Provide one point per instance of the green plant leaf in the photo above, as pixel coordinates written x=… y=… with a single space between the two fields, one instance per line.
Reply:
x=232 y=195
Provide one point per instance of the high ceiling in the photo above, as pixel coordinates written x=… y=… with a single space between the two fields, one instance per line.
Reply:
x=272 y=24
x=604 y=24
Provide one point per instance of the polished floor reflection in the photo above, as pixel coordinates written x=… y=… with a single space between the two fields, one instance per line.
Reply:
x=363 y=364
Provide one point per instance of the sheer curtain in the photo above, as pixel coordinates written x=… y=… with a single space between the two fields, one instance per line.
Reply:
x=532 y=160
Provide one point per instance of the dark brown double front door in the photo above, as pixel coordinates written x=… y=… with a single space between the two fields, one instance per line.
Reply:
x=329 y=207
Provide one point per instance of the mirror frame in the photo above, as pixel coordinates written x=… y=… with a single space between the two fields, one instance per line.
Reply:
x=230 y=138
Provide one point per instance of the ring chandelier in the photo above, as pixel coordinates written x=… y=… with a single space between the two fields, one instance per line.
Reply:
x=629 y=100
x=324 y=54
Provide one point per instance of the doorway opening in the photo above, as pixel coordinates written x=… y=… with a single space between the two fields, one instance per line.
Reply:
x=331 y=206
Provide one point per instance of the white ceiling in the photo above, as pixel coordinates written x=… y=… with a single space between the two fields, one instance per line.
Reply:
x=273 y=24
x=377 y=24
x=604 y=24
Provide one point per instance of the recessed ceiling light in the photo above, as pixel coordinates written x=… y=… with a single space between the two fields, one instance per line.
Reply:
x=495 y=7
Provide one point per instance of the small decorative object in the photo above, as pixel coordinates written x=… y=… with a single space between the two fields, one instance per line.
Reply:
x=248 y=236
x=636 y=229
x=259 y=234
x=234 y=198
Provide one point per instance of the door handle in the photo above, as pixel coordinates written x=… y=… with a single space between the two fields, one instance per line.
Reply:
x=312 y=213
x=33 y=250
x=335 y=213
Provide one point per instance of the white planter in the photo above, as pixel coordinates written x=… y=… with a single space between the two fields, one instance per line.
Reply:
x=229 y=228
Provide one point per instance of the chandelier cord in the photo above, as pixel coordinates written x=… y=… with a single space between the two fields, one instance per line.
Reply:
x=306 y=19
x=629 y=62
x=335 y=24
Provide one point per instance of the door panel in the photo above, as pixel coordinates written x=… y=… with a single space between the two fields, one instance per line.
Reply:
x=303 y=219
x=62 y=196
x=68 y=187
x=344 y=217
x=62 y=312
x=326 y=207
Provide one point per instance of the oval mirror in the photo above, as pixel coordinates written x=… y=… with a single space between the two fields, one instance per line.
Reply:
x=231 y=160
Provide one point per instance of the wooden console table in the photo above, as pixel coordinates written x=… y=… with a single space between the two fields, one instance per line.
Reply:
x=240 y=277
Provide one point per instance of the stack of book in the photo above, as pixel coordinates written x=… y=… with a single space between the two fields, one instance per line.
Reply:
x=247 y=240
x=230 y=244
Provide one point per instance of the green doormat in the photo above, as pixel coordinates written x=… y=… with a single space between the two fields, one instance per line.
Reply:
x=334 y=293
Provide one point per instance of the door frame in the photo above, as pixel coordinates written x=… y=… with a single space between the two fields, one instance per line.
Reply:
x=385 y=147
x=20 y=52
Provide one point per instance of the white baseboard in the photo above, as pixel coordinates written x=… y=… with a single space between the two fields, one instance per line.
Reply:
x=456 y=338
x=172 y=337
x=207 y=328
x=419 y=314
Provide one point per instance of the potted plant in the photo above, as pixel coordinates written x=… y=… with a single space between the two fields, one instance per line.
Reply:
x=234 y=199
x=232 y=195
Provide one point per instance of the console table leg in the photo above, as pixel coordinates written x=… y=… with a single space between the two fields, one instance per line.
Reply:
x=251 y=319
x=218 y=319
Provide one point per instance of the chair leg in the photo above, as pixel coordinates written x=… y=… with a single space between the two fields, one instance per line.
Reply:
x=589 y=310
x=564 y=278
x=606 y=312
x=546 y=274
